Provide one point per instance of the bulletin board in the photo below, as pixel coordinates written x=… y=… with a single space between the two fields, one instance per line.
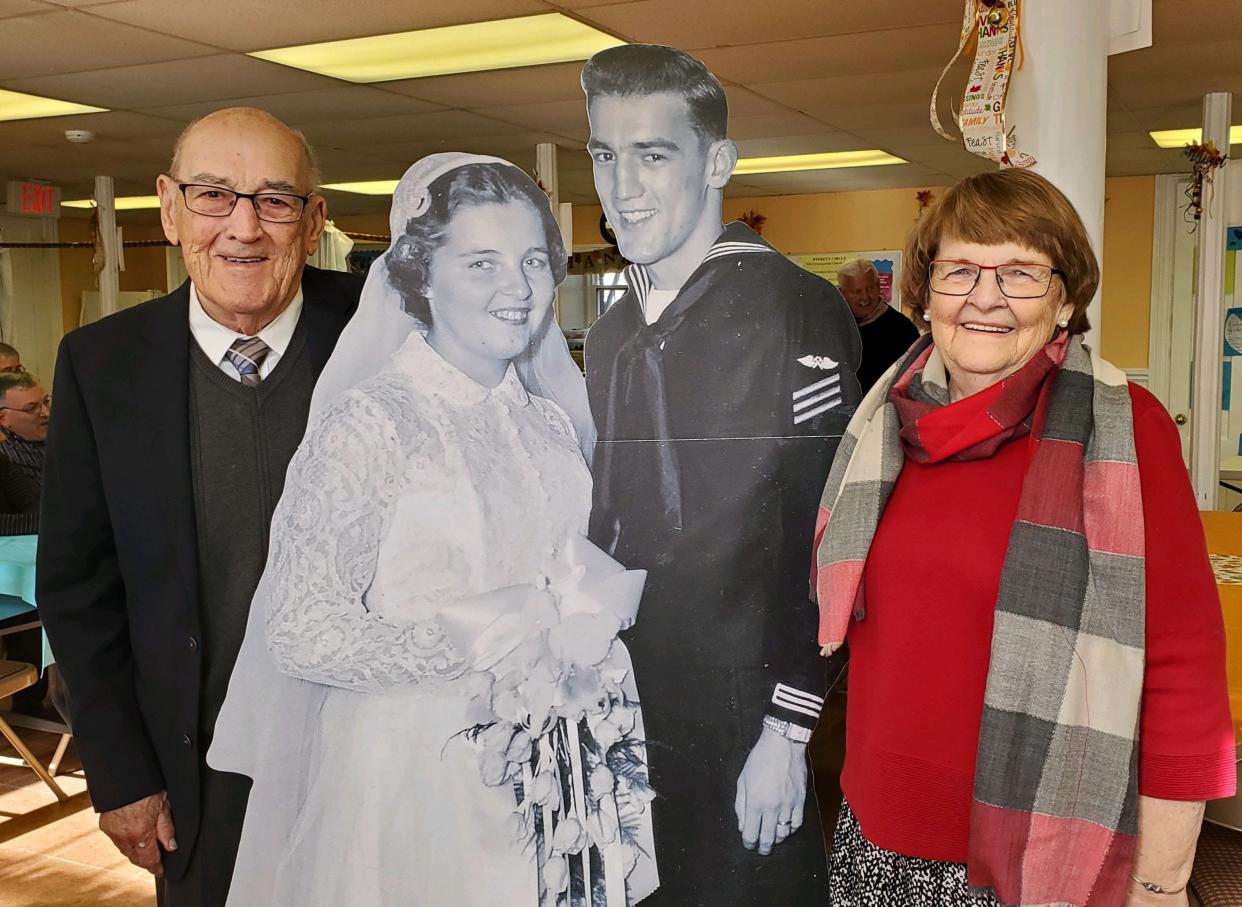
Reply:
x=887 y=262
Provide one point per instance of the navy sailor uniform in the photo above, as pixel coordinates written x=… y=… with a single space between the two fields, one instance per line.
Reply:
x=717 y=427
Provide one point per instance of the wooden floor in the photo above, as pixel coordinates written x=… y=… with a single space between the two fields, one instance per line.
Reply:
x=53 y=854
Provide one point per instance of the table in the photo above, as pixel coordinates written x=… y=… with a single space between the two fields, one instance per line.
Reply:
x=1224 y=542
x=17 y=582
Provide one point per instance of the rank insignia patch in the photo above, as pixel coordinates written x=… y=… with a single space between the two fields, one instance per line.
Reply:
x=818 y=362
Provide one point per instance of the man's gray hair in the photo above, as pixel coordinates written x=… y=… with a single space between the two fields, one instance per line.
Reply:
x=10 y=381
x=9 y=350
x=859 y=267
x=312 y=159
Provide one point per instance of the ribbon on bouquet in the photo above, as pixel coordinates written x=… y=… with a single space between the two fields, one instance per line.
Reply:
x=588 y=598
x=992 y=27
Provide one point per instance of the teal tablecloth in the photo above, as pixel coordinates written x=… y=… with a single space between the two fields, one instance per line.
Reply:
x=17 y=581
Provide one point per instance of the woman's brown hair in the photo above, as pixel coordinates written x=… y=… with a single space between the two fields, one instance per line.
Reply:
x=1006 y=206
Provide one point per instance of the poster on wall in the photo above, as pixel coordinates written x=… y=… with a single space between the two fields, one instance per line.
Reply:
x=887 y=264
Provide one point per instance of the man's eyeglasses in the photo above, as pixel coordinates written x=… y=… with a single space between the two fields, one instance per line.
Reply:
x=18 y=369
x=216 y=201
x=31 y=409
x=1017 y=280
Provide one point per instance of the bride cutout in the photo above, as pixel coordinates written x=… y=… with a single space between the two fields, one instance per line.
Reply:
x=431 y=698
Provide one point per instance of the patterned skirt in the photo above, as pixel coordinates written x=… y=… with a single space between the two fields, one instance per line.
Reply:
x=864 y=875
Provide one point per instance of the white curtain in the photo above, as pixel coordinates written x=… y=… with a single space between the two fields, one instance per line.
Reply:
x=334 y=248
x=6 y=294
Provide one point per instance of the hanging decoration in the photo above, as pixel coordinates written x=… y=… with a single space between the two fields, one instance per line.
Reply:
x=991 y=27
x=754 y=220
x=596 y=261
x=924 y=197
x=1205 y=158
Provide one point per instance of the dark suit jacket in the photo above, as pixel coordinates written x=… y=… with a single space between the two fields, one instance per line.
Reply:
x=117 y=583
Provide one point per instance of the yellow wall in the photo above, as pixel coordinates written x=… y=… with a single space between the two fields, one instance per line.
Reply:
x=144 y=267
x=881 y=219
x=1129 y=222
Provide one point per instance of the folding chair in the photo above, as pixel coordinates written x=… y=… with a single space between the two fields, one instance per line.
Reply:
x=16 y=676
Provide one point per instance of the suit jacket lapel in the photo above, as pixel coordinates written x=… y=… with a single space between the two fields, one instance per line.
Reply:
x=163 y=379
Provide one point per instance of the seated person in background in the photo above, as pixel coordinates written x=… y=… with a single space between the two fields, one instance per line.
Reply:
x=10 y=359
x=885 y=332
x=19 y=501
x=24 y=410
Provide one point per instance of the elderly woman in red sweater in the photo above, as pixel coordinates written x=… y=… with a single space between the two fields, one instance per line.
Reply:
x=1038 y=705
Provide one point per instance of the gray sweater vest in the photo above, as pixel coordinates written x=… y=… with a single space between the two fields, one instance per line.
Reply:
x=241 y=441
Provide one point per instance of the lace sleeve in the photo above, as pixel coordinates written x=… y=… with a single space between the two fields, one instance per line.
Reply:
x=335 y=510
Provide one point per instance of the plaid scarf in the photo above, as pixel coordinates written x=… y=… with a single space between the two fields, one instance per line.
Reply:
x=1054 y=817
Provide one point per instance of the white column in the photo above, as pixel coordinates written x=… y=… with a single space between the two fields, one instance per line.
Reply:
x=109 y=280
x=1210 y=311
x=546 y=173
x=1058 y=101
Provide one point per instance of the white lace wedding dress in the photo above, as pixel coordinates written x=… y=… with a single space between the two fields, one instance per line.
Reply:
x=418 y=490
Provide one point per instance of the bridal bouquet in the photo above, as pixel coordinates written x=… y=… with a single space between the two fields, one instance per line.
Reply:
x=556 y=714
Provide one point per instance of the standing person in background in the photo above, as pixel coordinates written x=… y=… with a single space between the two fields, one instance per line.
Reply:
x=25 y=409
x=1038 y=706
x=886 y=333
x=175 y=422
x=720 y=383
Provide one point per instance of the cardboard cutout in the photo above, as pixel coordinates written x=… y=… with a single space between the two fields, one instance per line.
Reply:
x=720 y=384
x=431 y=698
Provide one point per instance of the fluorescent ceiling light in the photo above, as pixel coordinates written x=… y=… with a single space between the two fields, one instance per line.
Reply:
x=830 y=160
x=478 y=46
x=373 y=187
x=126 y=203
x=784 y=164
x=17 y=106
x=1180 y=138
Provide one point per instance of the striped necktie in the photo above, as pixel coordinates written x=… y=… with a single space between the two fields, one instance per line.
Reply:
x=247 y=354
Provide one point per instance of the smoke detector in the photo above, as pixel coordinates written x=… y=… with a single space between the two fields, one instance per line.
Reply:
x=79 y=136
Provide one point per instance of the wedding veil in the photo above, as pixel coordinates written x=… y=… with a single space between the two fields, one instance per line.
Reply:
x=267 y=726
x=382 y=324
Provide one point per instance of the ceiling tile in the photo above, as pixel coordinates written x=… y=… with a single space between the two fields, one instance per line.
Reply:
x=446 y=124
x=729 y=22
x=519 y=148
x=822 y=140
x=891 y=50
x=551 y=116
x=32 y=46
x=174 y=82
x=117 y=126
x=877 y=91
x=245 y=25
x=22 y=7
x=555 y=82
x=301 y=107
x=774 y=125
x=745 y=103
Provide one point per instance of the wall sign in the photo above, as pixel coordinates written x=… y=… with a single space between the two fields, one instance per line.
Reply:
x=33 y=199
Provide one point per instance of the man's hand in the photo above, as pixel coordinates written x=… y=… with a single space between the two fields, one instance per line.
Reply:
x=771 y=791
x=140 y=829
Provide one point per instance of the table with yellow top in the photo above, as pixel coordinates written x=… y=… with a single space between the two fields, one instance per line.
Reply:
x=1224 y=542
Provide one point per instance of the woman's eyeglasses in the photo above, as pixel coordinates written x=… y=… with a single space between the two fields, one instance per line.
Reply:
x=1017 y=280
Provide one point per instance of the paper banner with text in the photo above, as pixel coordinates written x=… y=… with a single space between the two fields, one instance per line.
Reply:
x=991 y=26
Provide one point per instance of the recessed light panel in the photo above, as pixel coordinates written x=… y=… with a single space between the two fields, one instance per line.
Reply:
x=125 y=203
x=17 y=106
x=1179 y=138
x=475 y=47
x=830 y=160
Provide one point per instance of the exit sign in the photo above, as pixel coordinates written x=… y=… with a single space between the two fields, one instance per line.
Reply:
x=35 y=199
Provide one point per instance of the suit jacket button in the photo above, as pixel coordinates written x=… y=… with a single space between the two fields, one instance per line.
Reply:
x=193 y=644
x=187 y=741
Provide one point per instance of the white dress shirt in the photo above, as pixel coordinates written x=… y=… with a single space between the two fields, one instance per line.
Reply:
x=214 y=339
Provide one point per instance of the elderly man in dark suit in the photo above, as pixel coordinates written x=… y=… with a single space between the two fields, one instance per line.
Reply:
x=173 y=427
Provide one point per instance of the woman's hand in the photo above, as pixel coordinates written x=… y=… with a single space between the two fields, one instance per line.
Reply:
x=771 y=791
x=1168 y=831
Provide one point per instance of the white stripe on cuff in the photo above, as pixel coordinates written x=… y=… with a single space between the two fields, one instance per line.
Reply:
x=797 y=701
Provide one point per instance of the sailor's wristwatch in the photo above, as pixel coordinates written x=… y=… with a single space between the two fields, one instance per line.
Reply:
x=794 y=732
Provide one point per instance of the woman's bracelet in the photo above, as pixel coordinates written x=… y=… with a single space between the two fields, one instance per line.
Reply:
x=1157 y=889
